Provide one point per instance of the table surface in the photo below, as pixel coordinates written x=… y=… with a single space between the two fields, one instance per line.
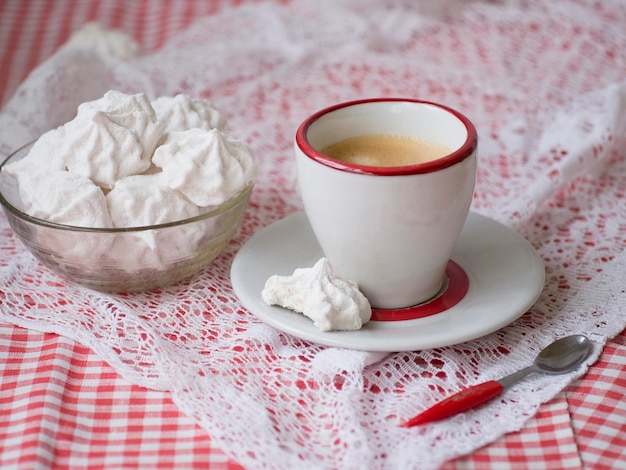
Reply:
x=62 y=406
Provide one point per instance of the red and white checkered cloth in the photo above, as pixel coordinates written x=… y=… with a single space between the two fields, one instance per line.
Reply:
x=61 y=406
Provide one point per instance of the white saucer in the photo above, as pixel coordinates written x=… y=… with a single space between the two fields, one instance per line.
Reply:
x=506 y=277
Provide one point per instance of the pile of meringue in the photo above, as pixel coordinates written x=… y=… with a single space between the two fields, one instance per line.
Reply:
x=125 y=161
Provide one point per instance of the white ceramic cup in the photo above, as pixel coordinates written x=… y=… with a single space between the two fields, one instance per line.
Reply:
x=390 y=229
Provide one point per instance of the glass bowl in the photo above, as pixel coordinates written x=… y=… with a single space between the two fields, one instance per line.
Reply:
x=123 y=259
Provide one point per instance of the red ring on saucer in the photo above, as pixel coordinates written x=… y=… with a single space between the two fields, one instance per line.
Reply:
x=454 y=290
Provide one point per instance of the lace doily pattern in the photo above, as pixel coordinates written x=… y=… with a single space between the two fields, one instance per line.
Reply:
x=542 y=81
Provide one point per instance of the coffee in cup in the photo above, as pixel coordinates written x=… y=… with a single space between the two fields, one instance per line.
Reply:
x=389 y=224
x=385 y=150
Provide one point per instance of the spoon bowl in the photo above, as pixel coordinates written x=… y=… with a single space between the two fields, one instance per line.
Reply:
x=563 y=355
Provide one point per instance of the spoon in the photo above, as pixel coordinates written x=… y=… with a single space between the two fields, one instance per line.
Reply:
x=563 y=355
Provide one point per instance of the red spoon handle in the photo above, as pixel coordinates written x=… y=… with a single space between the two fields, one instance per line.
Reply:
x=457 y=403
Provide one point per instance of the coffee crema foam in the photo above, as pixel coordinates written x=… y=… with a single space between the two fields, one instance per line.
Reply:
x=385 y=150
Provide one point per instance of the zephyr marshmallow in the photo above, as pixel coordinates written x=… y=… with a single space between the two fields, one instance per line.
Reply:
x=65 y=198
x=143 y=200
x=331 y=302
x=183 y=112
x=112 y=137
x=43 y=157
x=31 y=172
x=205 y=166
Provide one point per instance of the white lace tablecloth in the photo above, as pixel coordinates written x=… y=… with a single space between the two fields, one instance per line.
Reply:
x=544 y=84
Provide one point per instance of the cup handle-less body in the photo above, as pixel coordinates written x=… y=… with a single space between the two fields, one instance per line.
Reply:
x=390 y=229
x=393 y=235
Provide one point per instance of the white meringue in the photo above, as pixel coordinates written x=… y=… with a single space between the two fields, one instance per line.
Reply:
x=111 y=137
x=331 y=302
x=205 y=166
x=155 y=248
x=183 y=112
x=64 y=198
x=44 y=156
x=142 y=200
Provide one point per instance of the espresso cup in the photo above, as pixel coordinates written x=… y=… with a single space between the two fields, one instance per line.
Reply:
x=390 y=220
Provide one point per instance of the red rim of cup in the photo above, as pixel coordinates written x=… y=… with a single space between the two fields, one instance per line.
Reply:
x=460 y=154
